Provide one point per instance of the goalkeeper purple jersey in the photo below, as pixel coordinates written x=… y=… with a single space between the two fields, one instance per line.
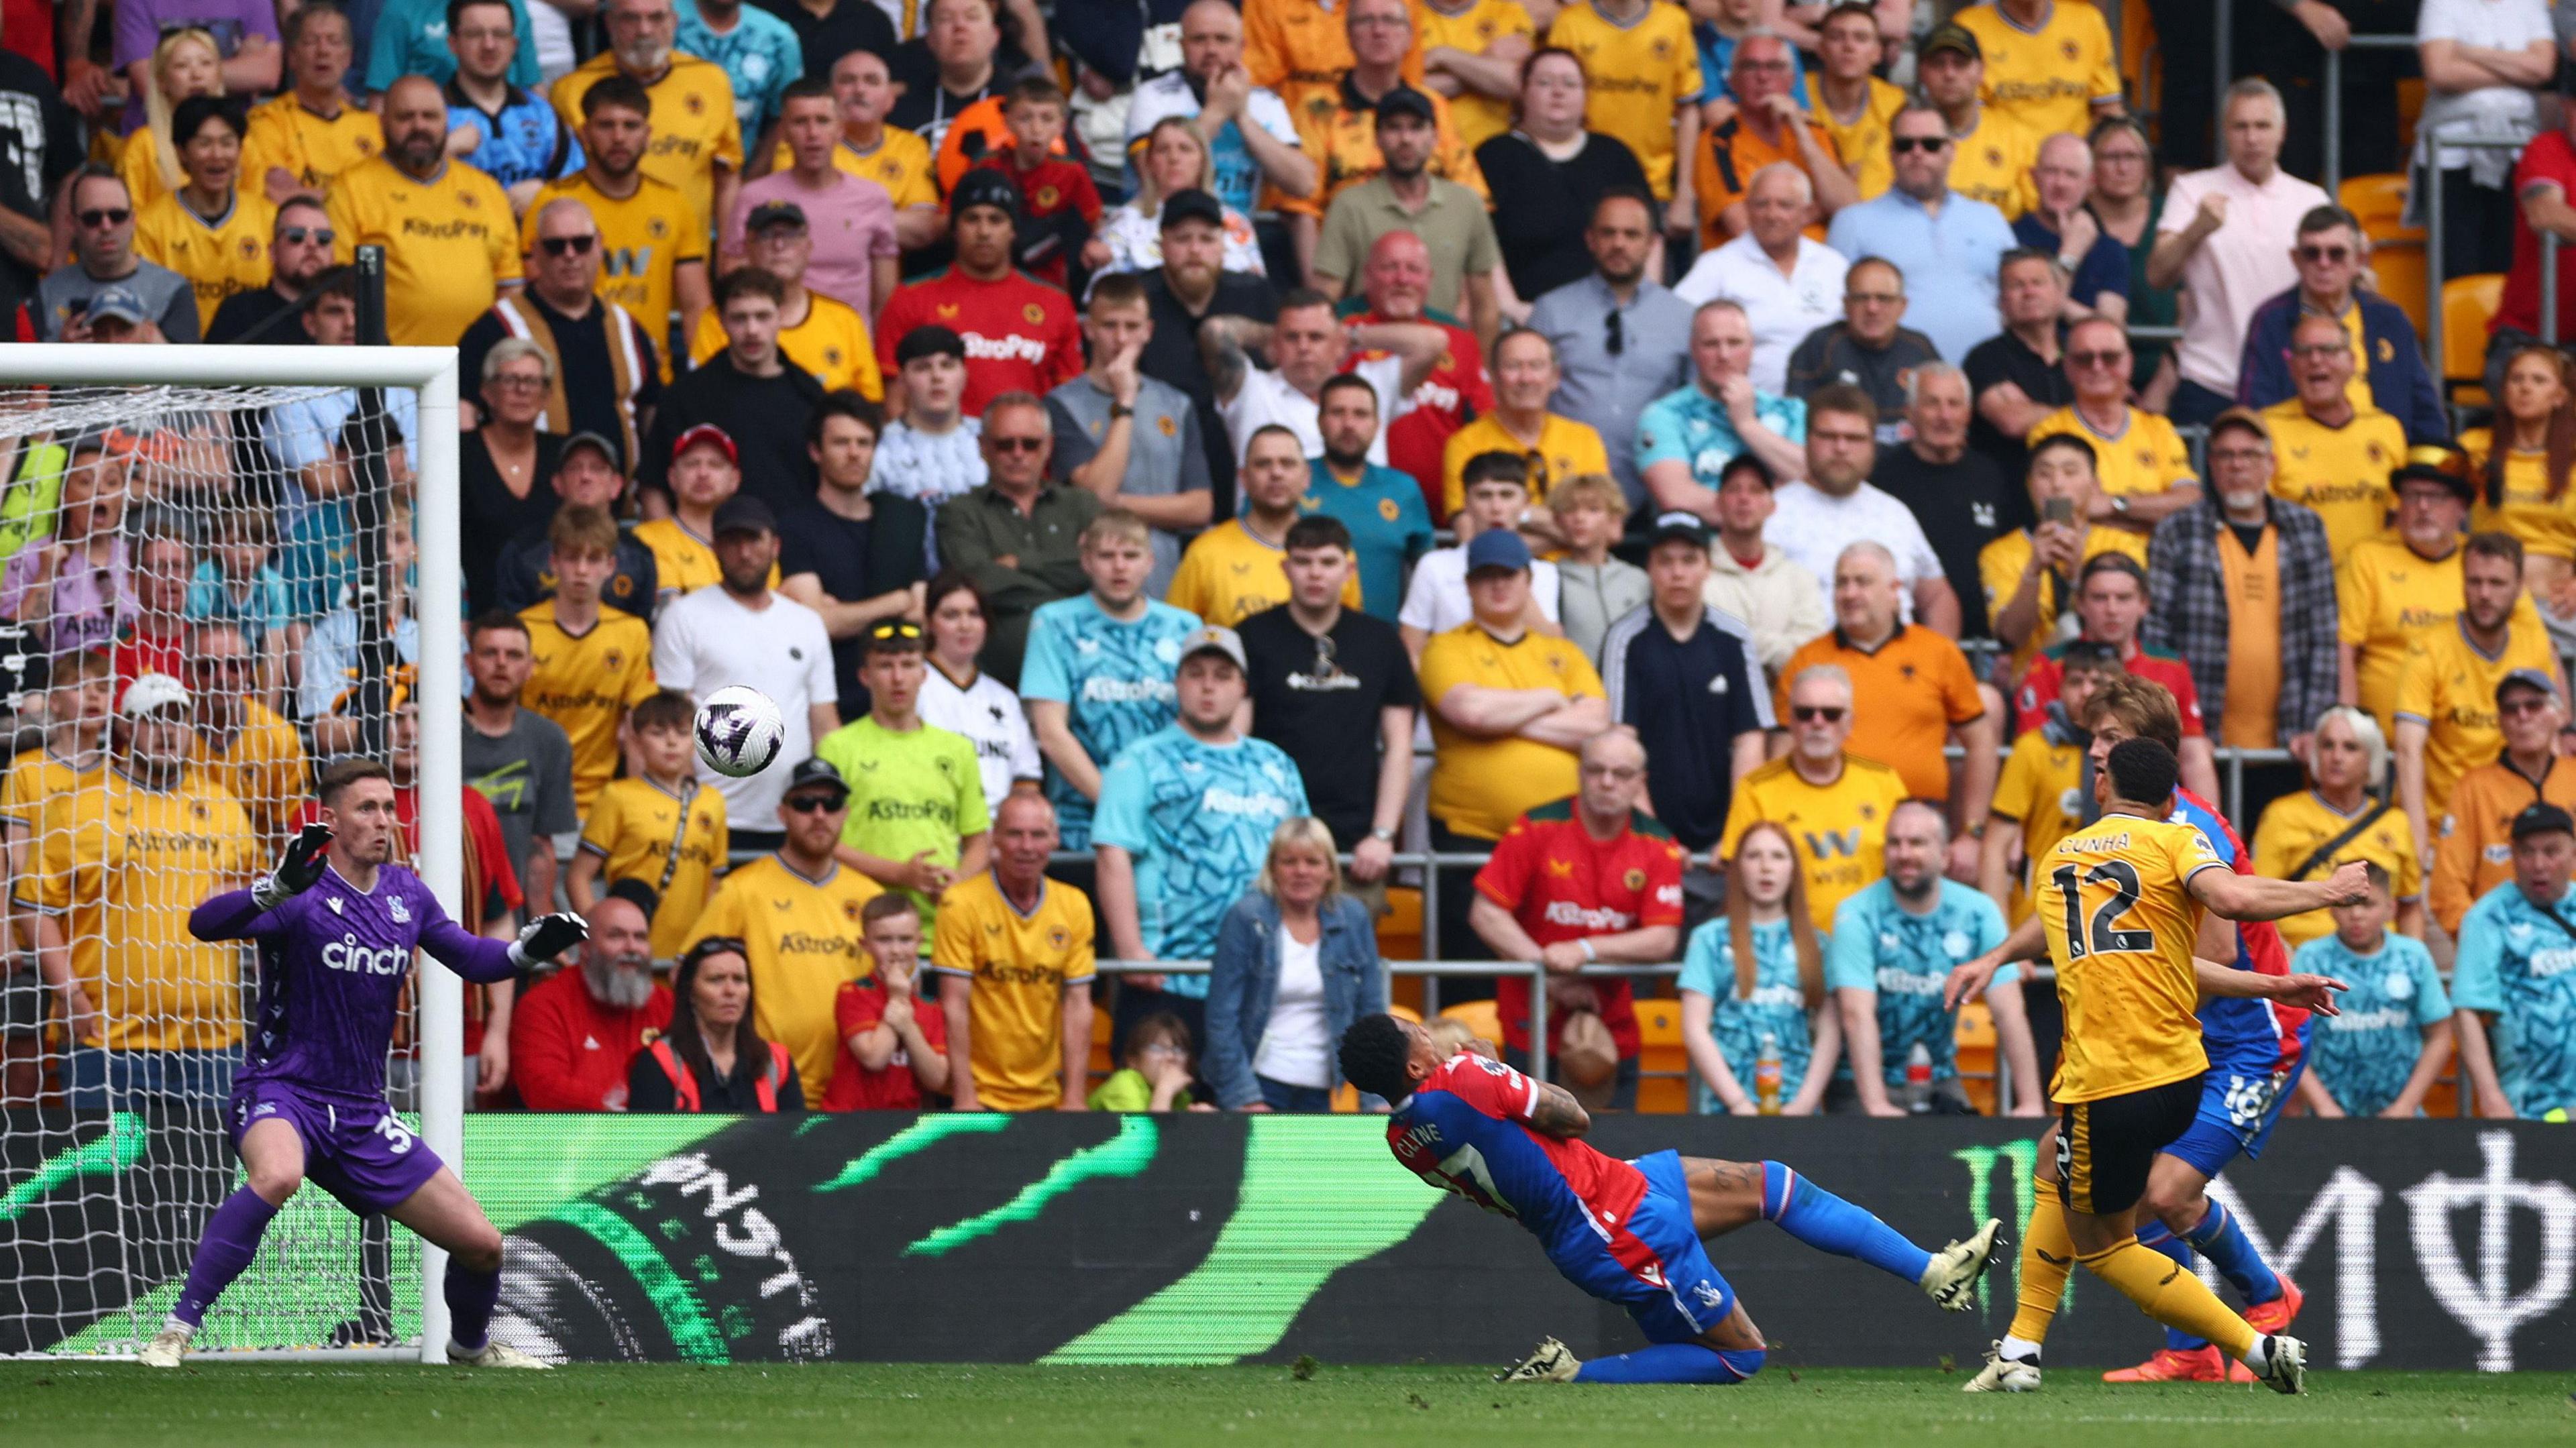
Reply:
x=332 y=962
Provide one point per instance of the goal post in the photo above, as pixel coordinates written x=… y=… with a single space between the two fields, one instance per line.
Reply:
x=205 y=375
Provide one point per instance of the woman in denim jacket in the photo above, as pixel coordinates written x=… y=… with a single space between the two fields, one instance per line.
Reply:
x=1296 y=962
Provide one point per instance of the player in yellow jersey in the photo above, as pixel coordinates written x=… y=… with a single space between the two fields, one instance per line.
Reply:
x=211 y=230
x=1472 y=53
x=653 y=246
x=697 y=138
x=1014 y=961
x=588 y=664
x=449 y=238
x=1642 y=79
x=2332 y=455
x=1847 y=99
x=2446 y=689
x=1835 y=805
x=303 y=139
x=2049 y=63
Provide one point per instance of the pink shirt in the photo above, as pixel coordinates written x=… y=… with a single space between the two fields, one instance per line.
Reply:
x=2242 y=265
x=852 y=223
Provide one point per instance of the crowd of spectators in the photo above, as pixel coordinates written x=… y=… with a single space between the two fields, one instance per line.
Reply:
x=1707 y=465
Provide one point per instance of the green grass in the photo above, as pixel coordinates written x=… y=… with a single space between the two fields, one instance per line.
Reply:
x=63 y=1404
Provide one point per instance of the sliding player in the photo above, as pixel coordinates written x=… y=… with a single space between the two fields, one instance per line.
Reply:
x=1626 y=1232
x=336 y=927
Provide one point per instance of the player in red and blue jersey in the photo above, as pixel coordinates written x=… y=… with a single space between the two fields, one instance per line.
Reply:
x=336 y=926
x=1625 y=1231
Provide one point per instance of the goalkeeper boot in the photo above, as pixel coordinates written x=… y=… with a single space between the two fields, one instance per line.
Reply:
x=2004 y=1375
x=2176 y=1365
x=1552 y=1363
x=494 y=1354
x=166 y=1346
x=2285 y=1365
x=1951 y=1279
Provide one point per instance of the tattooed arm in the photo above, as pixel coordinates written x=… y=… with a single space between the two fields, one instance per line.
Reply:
x=1558 y=1114
x=1225 y=345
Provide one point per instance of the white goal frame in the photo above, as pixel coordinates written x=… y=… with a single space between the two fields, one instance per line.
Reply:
x=441 y=860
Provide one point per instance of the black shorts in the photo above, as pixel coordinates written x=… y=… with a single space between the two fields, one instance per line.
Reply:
x=2105 y=1148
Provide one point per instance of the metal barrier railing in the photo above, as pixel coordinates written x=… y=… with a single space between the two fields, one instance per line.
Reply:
x=2333 y=98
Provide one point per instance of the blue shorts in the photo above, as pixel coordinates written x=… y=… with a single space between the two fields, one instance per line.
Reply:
x=358 y=1151
x=2239 y=1105
x=1653 y=1264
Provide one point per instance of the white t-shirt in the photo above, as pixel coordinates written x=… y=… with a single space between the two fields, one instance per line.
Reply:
x=1436 y=600
x=1294 y=1042
x=1813 y=527
x=1267 y=398
x=706 y=640
x=991 y=718
x=1782 y=309
x=2501 y=112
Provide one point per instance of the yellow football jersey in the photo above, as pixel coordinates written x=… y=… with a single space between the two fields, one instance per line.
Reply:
x=2049 y=79
x=643 y=240
x=2295 y=825
x=2448 y=684
x=683 y=562
x=2545 y=526
x=262 y=766
x=694 y=128
x=900 y=162
x=1480 y=117
x=586 y=682
x=2145 y=457
x=2041 y=790
x=630 y=828
x=2388 y=596
x=2120 y=931
x=122 y=866
x=1637 y=75
x=38 y=782
x=1862 y=143
x=1481 y=783
x=220 y=257
x=1342 y=137
x=287 y=135
x=2341 y=472
x=449 y=243
x=804 y=941
x=138 y=165
x=1229 y=574
x=1840 y=828
x=1993 y=163
x=1020 y=966
x=1564 y=449
x=1999 y=566
x=829 y=341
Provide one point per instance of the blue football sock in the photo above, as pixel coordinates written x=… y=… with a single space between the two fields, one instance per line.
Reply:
x=2156 y=1238
x=1827 y=1223
x=2223 y=1242
x=231 y=1241
x=470 y=1296
x=1673 y=1362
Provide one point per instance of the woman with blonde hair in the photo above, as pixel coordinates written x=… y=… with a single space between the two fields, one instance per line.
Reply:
x=1296 y=962
x=1172 y=158
x=1757 y=974
x=2344 y=814
x=186 y=63
x=2522 y=466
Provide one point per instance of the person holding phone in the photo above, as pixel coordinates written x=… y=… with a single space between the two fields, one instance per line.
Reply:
x=2029 y=573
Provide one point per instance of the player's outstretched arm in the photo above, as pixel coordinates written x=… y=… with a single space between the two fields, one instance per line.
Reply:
x=2306 y=992
x=486 y=961
x=2258 y=897
x=1558 y=1114
x=1968 y=982
x=234 y=914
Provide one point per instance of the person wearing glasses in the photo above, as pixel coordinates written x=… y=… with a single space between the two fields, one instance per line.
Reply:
x=607 y=374
x=1951 y=242
x=2388 y=372
x=241 y=744
x=1834 y=804
x=299 y=250
x=493 y=123
x=1768 y=127
x=506 y=467
x=2336 y=454
x=104 y=258
x=655 y=248
x=2142 y=464
x=714 y=1056
x=918 y=822
x=1021 y=536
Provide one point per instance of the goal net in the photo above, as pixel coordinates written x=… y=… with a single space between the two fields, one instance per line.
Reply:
x=208 y=592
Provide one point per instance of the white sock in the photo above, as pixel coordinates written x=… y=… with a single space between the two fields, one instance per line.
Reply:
x=2020 y=1350
x=2259 y=1356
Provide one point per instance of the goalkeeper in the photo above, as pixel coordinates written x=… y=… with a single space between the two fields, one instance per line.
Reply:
x=336 y=926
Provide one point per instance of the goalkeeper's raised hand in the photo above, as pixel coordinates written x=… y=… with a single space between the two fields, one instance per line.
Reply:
x=297 y=869
x=546 y=937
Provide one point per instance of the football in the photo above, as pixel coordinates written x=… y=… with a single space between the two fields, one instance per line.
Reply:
x=739 y=731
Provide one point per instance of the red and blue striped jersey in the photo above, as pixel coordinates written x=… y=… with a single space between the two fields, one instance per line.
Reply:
x=2250 y=1035
x=1465 y=1130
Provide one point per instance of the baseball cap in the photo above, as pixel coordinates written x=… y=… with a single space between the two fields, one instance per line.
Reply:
x=150 y=692
x=1678 y=527
x=1404 y=100
x=1192 y=204
x=984 y=186
x=1497 y=548
x=894 y=635
x=607 y=446
x=816 y=772
x=1212 y=638
x=743 y=513
x=2527 y=679
x=928 y=340
x=1747 y=462
x=2542 y=818
x=774 y=213
x=118 y=302
x=1950 y=36
x=2244 y=417
x=2437 y=463
x=706 y=432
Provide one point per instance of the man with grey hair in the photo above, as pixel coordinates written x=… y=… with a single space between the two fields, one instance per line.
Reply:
x=1785 y=281
x=1834 y=803
x=1769 y=122
x=1951 y=241
x=1956 y=493
x=2018 y=376
x=2060 y=225
x=606 y=370
x=572 y=1034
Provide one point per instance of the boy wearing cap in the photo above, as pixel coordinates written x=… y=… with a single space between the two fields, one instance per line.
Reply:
x=2511 y=984
x=917 y=818
x=2471 y=854
x=1019 y=334
x=703 y=477
x=751 y=392
x=654 y=245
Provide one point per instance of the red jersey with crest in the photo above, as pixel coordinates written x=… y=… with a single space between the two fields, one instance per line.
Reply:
x=891 y=1087
x=1464 y=1130
x=1562 y=884
x=1021 y=334
x=1456 y=393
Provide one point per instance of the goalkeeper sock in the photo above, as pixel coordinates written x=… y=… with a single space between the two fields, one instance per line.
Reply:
x=231 y=1240
x=2155 y=1237
x=2171 y=1294
x=1827 y=1223
x=2047 y=1255
x=1674 y=1362
x=470 y=1296
x=2224 y=1243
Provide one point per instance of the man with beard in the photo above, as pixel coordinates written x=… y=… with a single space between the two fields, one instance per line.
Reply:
x=299 y=249
x=698 y=147
x=1449 y=219
x=449 y=246
x=1383 y=508
x=653 y=249
x=1306 y=345
x=1397 y=282
x=1189 y=289
x=574 y=1032
x=1622 y=340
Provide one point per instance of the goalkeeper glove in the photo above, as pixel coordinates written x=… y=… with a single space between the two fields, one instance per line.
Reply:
x=296 y=872
x=546 y=937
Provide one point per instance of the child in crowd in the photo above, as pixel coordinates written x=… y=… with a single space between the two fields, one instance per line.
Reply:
x=1753 y=990
x=894 y=1050
x=2042 y=792
x=1595 y=590
x=1059 y=207
x=2380 y=1055
x=237 y=583
x=659 y=826
x=1156 y=1074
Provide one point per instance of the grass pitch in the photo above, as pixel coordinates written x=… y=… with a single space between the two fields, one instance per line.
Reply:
x=58 y=1405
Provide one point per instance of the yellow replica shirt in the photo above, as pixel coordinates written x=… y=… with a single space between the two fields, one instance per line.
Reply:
x=287 y=135
x=2389 y=596
x=694 y=131
x=2341 y=472
x=631 y=826
x=138 y=165
x=586 y=682
x=2120 y=930
x=262 y=767
x=1993 y=163
x=2546 y=526
x=1841 y=828
x=683 y=562
x=2041 y=789
x=1018 y=967
x=121 y=866
x=1480 y=785
x=219 y=257
x=1480 y=117
x=1999 y=567
x=2143 y=458
x=1640 y=72
x=830 y=341
x=2448 y=685
x=643 y=239
x=2049 y=79
x=1565 y=449
x=2296 y=825
x=1339 y=130
x=1231 y=573
x=450 y=242
x=39 y=782
x=804 y=941
x=900 y=162
x=1862 y=143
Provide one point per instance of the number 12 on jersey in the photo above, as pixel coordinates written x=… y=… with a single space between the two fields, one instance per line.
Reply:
x=2115 y=886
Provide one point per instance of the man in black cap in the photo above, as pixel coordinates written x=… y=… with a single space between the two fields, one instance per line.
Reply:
x=1191 y=286
x=589 y=473
x=1405 y=196
x=1020 y=334
x=749 y=391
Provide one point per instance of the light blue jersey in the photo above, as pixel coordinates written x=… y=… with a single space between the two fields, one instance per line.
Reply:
x=1114 y=679
x=1778 y=1005
x=2363 y=1056
x=1197 y=818
x=2517 y=962
x=1689 y=426
x=760 y=55
x=524 y=141
x=1880 y=945
x=1390 y=527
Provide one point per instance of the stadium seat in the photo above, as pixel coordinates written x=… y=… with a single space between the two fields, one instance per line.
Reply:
x=1663 y=1067
x=1976 y=1040
x=2378 y=202
x=1482 y=1017
x=2467 y=304
x=1399 y=930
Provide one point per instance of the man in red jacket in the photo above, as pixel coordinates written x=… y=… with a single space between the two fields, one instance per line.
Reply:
x=1395 y=281
x=572 y=1035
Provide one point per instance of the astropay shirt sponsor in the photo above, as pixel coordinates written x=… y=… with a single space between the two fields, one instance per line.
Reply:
x=1021 y=335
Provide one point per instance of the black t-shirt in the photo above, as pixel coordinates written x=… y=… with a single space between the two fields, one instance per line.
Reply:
x=490 y=515
x=1542 y=206
x=1687 y=700
x=522 y=577
x=1318 y=698
x=851 y=25
x=244 y=312
x=1960 y=506
x=2006 y=358
x=590 y=387
x=765 y=416
x=854 y=560
x=39 y=146
x=1172 y=355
